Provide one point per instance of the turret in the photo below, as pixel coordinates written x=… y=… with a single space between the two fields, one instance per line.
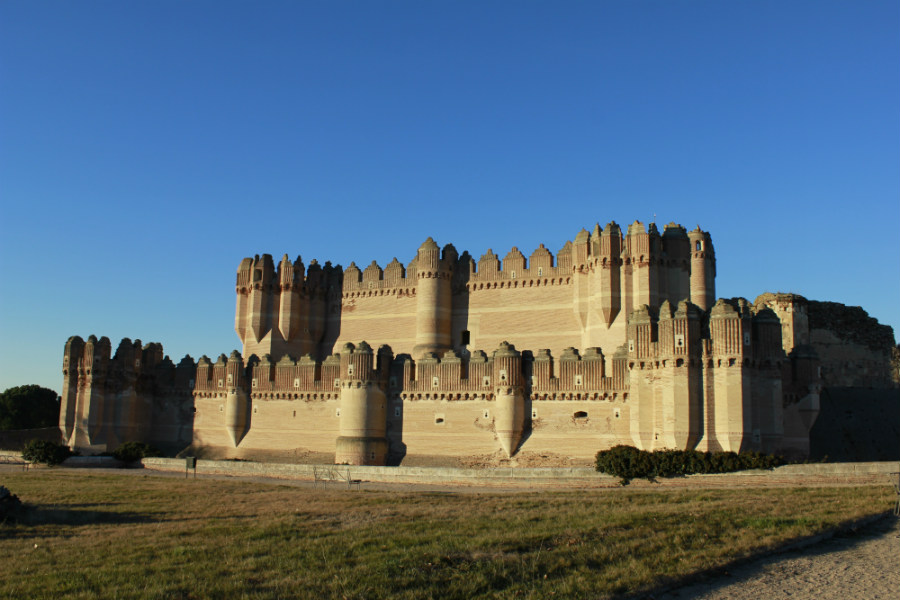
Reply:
x=363 y=425
x=610 y=262
x=69 y=399
x=703 y=269
x=731 y=340
x=293 y=315
x=433 y=300
x=237 y=406
x=510 y=398
x=677 y=250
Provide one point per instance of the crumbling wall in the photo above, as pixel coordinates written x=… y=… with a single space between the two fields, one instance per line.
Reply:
x=855 y=349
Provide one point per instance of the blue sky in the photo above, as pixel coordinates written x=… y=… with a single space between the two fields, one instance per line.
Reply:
x=147 y=146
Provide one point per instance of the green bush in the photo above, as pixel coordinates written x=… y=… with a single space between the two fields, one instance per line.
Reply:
x=42 y=451
x=132 y=451
x=627 y=463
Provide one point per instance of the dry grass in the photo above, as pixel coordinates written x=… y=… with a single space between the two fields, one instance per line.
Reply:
x=111 y=536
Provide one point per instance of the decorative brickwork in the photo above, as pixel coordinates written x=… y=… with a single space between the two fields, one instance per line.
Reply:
x=616 y=339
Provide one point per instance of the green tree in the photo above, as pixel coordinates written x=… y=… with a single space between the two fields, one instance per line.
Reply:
x=28 y=407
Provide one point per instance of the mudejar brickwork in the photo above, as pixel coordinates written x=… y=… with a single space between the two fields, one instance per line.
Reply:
x=618 y=338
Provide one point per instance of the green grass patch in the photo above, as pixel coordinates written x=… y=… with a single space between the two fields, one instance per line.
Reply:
x=138 y=536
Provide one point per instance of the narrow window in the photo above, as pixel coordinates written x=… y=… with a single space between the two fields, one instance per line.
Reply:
x=540 y=271
x=580 y=415
x=464 y=338
x=396 y=411
x=699 y=247
x=534 y=414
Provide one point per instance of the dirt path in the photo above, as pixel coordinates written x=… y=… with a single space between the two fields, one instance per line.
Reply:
x=864 y=565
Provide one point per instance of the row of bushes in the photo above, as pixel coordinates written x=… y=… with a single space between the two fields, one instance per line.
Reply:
x=51 y=453
x=627 y=463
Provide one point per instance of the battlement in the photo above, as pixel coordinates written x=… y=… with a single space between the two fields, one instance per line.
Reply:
x=449 y=377
x=734 y=330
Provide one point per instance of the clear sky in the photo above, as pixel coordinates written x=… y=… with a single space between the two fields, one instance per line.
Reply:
x=147 y=146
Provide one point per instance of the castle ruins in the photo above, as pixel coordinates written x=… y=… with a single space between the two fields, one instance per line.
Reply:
x=617 y=339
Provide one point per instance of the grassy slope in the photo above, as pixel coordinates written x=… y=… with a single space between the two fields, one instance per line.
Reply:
x=149 y=537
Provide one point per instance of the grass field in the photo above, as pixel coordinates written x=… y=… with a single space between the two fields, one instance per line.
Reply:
x=94 y=535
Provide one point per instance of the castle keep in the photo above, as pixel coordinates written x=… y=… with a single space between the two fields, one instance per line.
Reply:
x=617 y=339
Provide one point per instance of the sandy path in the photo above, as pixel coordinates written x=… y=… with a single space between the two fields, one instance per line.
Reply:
x=864 y=565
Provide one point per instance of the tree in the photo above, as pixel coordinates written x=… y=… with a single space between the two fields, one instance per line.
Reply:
x=28 y=407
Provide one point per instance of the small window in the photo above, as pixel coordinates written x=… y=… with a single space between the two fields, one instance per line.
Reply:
x=486 y=381
x=349 y=369
x=439 y=419
x=337 y=412
x=578 y=380
x=699 y=246
x=255 y=409
x=617 y=413
x=631 y=345
x=580 y=415
x=221 y=383
x=295 y=413
x=513 y=274
x=230 y=379
x=540 y=271
x=337 y=382
x=747 y=338
x=435 y=381
x=396 y=411
x=487 y=414
x=502 y=374
x=464 y=338
x=297 y=382
x=679 y=340
x=534 y=414
x=221 y=408
x=191 y=383
x=372 y=454
x=253 y=384
x=392 y=382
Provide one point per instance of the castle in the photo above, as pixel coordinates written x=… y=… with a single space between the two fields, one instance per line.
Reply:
x=618 y=339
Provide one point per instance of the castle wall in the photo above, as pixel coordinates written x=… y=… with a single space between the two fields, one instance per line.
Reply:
x=536 y=316
x=385 y=316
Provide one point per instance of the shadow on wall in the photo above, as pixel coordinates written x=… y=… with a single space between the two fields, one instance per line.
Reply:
x=856 y=425
x=15 y=439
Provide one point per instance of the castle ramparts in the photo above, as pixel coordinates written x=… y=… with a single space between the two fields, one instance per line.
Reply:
x=615 y=339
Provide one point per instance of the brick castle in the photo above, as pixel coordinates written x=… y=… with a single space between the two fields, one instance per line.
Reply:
x=618 y=339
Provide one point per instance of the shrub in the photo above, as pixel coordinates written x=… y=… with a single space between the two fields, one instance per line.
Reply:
x=132 y=451
x=627 y=463
x=42 y=451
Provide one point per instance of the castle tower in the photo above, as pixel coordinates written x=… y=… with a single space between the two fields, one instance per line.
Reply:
x=641 y=384
x=680 y=349
x=433 y=300
x=768 y=394
x=293 y=313
x=643 y=246
x=91 y=408
x=703 y=269
x=730 y=425
x=610 y=262
x=676 y=271
x=126 y=366
x=363 y=426
x=510 y=397
x=69 y=400
x=237 y=405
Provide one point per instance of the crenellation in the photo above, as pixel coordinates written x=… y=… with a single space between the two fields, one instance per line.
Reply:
x=490 y=355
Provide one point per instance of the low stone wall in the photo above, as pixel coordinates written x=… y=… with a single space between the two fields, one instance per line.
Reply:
x=565 y=477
